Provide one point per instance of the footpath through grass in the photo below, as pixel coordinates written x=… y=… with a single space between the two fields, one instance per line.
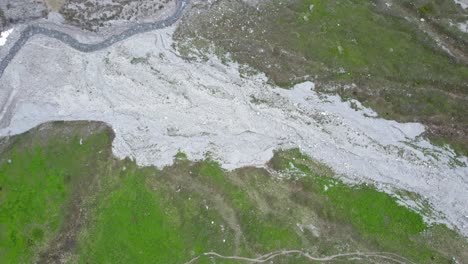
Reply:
x=60 y=199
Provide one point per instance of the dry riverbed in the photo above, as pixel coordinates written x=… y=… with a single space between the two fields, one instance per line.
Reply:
x=159 y=104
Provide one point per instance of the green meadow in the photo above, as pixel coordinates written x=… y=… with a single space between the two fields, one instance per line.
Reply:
x=62 y=200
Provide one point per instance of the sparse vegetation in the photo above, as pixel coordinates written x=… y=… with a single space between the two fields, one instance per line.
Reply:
x=21 y=11
x=56 y=191
x=92 y=15
x=55 y=5
x=3 y=20
x=441 y=15
x=139 y=60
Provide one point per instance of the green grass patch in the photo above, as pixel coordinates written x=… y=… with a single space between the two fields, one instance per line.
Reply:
x=377 y=216
x=36 y=182
x=56 y=189
x=263 y=232
x=133 y=223
x=131 y=226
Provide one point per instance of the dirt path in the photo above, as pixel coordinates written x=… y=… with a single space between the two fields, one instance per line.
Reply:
x=269 y=256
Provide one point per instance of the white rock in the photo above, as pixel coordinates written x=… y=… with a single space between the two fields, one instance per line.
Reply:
x=4 y=36
x=311 y=8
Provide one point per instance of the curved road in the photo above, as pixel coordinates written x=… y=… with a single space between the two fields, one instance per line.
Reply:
x=32 y=30
x=269 y=256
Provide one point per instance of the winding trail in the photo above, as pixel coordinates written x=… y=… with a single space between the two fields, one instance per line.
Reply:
x=32 y=30
x=269 y=256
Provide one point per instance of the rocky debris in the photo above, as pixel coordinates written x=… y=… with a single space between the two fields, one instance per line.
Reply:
x=170 y=104
x=95 y=14
x=462 y=3
x=21 y=11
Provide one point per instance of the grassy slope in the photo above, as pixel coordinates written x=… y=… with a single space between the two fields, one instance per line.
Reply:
x=370 y=43
x=441 y=15
x=399 y=71
x=133 y=224
x=36 y=178
x=125 y=213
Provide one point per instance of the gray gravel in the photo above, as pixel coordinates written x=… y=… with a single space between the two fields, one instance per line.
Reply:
x=161 y=103
x=32 y=30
